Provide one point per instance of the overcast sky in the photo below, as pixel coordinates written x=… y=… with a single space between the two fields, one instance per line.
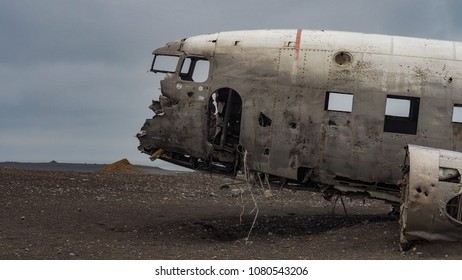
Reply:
x=74 y=85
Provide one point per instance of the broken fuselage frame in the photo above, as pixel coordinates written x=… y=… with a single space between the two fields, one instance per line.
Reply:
x=315 y=109
x=431 y=203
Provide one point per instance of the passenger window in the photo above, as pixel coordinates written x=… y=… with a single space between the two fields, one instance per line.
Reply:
x=398 y=107
x=164 y=64
x=401 y=114
x=457 y=113
x=195 y=69
x=340 y=102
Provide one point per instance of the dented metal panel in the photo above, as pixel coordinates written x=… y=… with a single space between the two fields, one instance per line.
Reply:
x=431 y=204
x=266 y=94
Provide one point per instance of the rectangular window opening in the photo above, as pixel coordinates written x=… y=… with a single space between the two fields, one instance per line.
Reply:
x=195 y=69
x=164 y=64
x=340 y=102
x=457 y=113
x=398 y=107
x=401 y=114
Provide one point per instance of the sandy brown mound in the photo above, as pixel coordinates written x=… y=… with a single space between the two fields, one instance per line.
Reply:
x=121 y=166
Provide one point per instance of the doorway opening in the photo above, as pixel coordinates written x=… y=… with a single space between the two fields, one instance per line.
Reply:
x=224 y=120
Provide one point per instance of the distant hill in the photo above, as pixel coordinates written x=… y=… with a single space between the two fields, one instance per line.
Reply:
x=76 y=167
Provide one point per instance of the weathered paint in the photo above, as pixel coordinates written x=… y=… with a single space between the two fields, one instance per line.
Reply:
x=285 y=76
x=431 y=207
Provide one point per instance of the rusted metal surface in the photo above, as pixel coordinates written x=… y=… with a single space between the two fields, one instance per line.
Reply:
x=267 y=93
x=431 y=203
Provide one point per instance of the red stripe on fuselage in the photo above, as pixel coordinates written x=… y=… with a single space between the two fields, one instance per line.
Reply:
x=297 y=43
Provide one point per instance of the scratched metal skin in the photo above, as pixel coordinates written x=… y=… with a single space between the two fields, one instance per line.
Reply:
x=425 y=213
x=284 y=76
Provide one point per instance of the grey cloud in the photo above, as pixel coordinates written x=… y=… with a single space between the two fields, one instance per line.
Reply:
x=73 y=81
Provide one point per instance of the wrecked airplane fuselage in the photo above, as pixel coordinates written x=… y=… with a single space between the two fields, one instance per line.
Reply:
x=328 y=111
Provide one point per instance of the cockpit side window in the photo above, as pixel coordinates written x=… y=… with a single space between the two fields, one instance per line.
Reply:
x=164 y=63
x=195 y=69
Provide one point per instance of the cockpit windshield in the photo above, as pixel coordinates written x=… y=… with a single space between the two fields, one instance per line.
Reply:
x=193 y=68
x=164 y=64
